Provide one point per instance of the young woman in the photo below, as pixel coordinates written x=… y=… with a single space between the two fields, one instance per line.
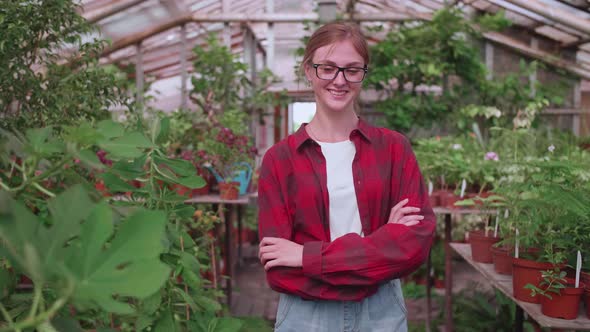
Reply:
x=343 y=211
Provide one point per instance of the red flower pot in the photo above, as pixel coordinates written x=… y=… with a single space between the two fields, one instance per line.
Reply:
x=524 y=272
x=435 y=198
x=229 y=190
x=502 y=258
x=481 y=245
x=587 y=297
x=448 y=199
x=566 y=304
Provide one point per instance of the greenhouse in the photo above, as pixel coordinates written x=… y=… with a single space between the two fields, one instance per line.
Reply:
x=260 y=165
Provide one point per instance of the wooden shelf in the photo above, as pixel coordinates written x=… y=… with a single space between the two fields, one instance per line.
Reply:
x=216 y=199
x=504 y=284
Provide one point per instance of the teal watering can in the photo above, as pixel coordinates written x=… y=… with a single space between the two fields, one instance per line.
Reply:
x=243 y=176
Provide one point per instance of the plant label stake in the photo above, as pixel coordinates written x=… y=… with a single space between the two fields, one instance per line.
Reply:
x=463 y=186
x=506 y=214
x=578 y=268
x=429 y=187
x=516 y=244
x=496 y=226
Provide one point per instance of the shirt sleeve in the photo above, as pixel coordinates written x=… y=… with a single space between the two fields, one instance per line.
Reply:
x=391 y=251
x=274 y=221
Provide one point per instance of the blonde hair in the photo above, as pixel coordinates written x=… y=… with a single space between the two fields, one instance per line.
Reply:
x=335 y=32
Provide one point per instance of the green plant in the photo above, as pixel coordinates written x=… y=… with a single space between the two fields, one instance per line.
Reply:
x=227 y=146
x=220 y=80
x=475 y=311
x=553 y=281
x=66 y=253
x=34 y=162
x=412 y=290
x=413 y=58
x=48 y=74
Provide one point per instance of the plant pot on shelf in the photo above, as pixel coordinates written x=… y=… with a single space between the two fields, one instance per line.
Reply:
x=448 y=199
x=525 y=272
x=566 y=304
x=481 y=245
x=435 y=198
x=229 y=190
x=587 y=299
x=502 y=259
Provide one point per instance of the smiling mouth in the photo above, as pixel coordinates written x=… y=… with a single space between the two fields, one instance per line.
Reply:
x=337 y=93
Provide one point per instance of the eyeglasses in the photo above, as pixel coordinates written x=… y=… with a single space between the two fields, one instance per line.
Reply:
x=329 y=72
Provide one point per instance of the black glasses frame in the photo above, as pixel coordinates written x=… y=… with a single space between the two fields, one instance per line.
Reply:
x=340 y=69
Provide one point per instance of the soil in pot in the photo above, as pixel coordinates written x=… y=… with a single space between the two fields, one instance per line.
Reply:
x=481 y=245
x=566 y=304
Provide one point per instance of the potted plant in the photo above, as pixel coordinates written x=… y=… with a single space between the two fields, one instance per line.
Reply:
x=550 y=210
x=560 y=298
x=229 y=154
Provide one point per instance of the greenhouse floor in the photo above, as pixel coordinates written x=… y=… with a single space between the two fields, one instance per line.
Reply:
x=253 y=297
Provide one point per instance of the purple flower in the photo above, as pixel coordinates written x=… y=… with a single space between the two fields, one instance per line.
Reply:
x=551 y=148
x=492 y=156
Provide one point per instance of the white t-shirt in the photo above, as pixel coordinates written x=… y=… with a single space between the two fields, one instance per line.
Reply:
x=344 y=211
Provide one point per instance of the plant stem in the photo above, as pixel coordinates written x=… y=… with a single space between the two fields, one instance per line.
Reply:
x=43 y=190
x=36 y=299
x=34 y=321
x=6 y=315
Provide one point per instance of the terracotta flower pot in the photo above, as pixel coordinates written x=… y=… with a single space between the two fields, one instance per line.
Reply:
x=229 y=190
x=566 y=304
x=524 y=272
x=448 y=199
x=502 y=258
x=201 y=191
x=435 y=198
x=481 y=245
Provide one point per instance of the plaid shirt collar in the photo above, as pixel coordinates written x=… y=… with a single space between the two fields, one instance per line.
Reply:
x=363 y=128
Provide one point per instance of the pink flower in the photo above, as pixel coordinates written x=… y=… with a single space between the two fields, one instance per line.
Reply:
x=492 y=156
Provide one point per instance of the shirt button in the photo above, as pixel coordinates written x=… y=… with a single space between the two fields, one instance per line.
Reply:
x=358 y=182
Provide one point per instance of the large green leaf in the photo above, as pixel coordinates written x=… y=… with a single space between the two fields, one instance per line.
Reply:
x=130 y=170
x=166 y=323
x=115 y=184
x=110 y=129
x=193 y=182
x=42 y=143
x=68 y=210
x=164 y=130
x=129 y=146
x=83 y=134
x=129 y=267
x=89 y=158
x=38 y=136
x=180 y=166
x=81 y=246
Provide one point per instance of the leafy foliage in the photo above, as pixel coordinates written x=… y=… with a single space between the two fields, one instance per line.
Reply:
x=475 y=311
x=70 y=254
x=48 y=72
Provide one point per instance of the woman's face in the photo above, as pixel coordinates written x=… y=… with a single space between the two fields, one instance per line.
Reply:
x=336 y=95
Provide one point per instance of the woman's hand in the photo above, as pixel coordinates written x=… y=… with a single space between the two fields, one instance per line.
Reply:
x=400 y=214
x=275 y=251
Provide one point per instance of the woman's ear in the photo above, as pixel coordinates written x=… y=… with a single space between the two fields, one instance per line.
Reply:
x=308 y=72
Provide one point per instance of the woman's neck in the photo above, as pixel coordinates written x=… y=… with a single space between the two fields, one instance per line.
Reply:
x=332 y=127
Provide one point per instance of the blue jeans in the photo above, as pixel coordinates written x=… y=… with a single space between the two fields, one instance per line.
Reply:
x=383 y=311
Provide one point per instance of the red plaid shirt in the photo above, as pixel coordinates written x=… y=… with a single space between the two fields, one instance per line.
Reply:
x=293 y=204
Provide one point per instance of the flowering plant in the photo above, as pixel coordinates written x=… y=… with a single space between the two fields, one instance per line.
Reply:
x=225 y=151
